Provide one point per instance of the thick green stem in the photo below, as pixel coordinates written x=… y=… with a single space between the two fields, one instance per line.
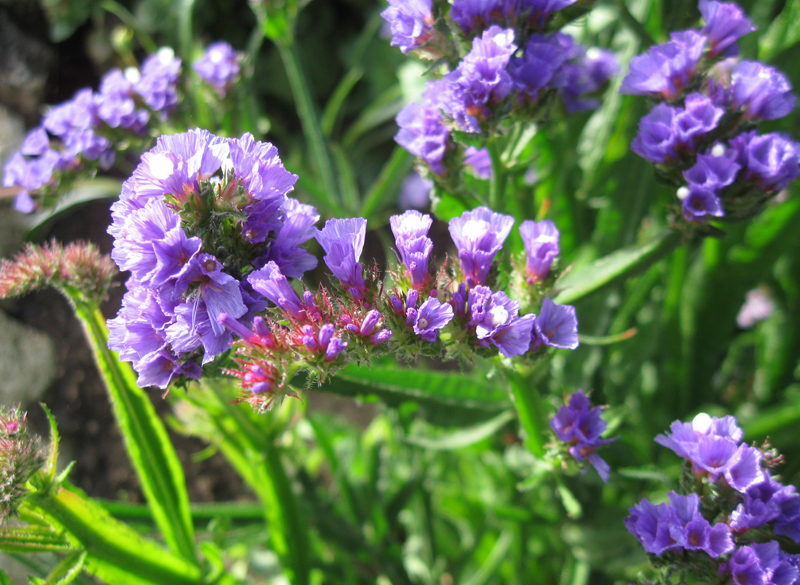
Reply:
x=530 y=412
x=498 y=180
x=311 y=123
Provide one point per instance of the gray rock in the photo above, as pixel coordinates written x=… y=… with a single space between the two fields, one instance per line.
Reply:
x=27 y=362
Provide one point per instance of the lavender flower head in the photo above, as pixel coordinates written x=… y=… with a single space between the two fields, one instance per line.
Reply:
x=762 y=92
x=579 y=424
x=665 y=70
x=422 y=131
x=219 y=66
x=541 y=248
x=158 y=81
x=411 y=237
x=480 y=79
x=431 y=317
x=726 y=23
x=343 y=242
x=496 y=321
x=677 y=526
x=769 y=161
x=411 y=23
x=479 y=234
x=555 y=326
x=712 y=445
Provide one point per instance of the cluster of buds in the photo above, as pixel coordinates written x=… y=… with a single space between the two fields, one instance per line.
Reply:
x=734 y=521
x=83 y=134
x=77 y=269
x=427 y=310
x=21 y=455
x=702 y=136
x=516 y=68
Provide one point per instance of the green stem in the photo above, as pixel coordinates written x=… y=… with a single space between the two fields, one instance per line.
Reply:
x=185 y=38
x=309 y=119
x=530 y=411
x=498 y=180
x=634 y=25
x=395 y=169
x=111 y=545
x=130 y=21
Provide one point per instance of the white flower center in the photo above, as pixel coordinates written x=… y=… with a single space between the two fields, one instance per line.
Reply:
x=161 y=167
x=165 y=55
x=474 y=229
x=718 y=150
x=132 y=74
x=422 y=323
x=682 y=193
x=701 y=423
x=499 y=316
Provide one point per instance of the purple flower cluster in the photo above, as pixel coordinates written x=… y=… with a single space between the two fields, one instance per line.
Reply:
x=80 y=131
x=693 y=137
x=757 y=500
x=580 y=426
x=193 y=197
x=219 y=67
x=490 y=80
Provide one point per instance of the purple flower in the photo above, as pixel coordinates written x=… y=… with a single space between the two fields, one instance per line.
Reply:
x=480 y=79
x=158 y=81
x=698 y=203
x=219 y=66
x=761 y=563
x=115 y=103
x=410 y=231
x=272 y=284
x=770 y=161
x=297 y=228
x=343 y=242
x=415 y=192
x=538 y=11
x=496 y=320
x=422 y=132
x=259 y=169
x=761 y=91
x=533 y=72
x=556 y=326
x=411 y=23
x=541 y=247
x=767 y=502
x=726 y=23
x=712 y=172
x=668 y=133
x=757 y=307
x=479 y=234
x=431 y=317
x=480 y=162
x=583 y=76
x=665 y=70
x=581 y=426
x=475 y=16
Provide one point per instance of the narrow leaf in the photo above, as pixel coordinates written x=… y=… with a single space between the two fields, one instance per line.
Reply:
x=67 y=569
x=149 y=447
x=464 y=437
x=620 y=264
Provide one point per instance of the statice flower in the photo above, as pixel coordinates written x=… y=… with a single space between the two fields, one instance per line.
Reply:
x=191 y=193
x=769 y=161
x=669 y=133
x=270 y=282
x=710 y=174
x=343 y=242
x=726 y=23
x=761 y=92
x=496 y=321
x=475 y=16
x=411 y=23
x=219 y=67
x=411 y=237
x=479 y=161
x=665 y=70
x=541 y=248
x=677 y=525
x=422 y=131
x=769 y=502
x=21 y=456
x=761 y=563
x=580 y=426
x=585 y=74
x=158 y=81
x=415 y=192
x=533 y=73
x=430 y=318
x=116 y=105
x=713 y=446
x=479 y=234
x=480 y=79
x=539 y=11
x=555 y=326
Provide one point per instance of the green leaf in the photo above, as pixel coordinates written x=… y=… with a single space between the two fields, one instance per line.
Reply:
x=29 y=539
x=4 y=578
x=66 y=570
x=148 y=445
x=623 y=263
x=571 y=503
x=52 y=457
x=388 y=182
x=394 y=385
x=83 y=192
x=464 y=437
x=115 y=552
